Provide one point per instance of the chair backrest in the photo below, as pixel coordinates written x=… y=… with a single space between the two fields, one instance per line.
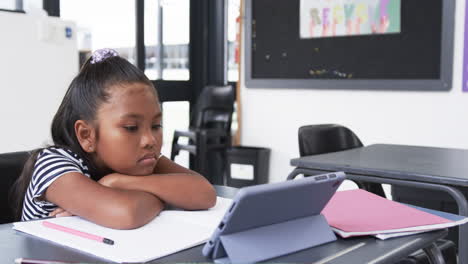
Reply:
x=11 y=165
x=325 y=138
x=214 y=108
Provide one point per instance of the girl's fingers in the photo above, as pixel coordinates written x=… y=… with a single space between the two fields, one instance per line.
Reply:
x=65 y=213
x=56 y=211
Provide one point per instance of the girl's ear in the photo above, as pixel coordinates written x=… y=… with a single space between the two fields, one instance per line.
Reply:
x=86 y=135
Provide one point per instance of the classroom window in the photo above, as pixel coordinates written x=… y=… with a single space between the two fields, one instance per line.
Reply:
x=233 y=48
x=167 y=39
x=175 y=117
x=167 y=43
x=11 y=5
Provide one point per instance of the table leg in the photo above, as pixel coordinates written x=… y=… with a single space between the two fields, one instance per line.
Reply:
x=434 y=254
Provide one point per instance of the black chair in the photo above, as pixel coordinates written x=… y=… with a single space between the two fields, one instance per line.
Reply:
x=209 y=132
x=11 y=165
x=320 y=139
x=326 y=138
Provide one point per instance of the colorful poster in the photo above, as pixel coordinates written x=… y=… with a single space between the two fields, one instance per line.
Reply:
x=465 y=55
x=332 y=18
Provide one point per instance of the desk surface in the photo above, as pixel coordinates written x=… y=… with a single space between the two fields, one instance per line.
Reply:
x=425 y=164
x=15 y=244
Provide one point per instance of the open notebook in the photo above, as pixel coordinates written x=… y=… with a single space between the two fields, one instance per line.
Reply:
x=170 y=232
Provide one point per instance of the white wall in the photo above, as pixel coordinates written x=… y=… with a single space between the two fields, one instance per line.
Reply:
x=271 y=117
x=35 y=70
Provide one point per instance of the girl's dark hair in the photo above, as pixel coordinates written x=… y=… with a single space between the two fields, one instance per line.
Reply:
x=87 y=91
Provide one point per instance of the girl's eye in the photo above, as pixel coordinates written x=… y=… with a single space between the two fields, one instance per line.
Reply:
x=131 y=128
x=156 y=127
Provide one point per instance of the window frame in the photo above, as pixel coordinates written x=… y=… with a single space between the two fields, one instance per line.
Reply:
x=18 y=8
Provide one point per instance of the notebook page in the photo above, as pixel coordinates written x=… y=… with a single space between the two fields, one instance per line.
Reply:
x=207 y=218
x=165 y=235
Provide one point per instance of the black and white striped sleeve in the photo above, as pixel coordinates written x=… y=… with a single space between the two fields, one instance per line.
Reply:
x=48 y=168
x=51 y=164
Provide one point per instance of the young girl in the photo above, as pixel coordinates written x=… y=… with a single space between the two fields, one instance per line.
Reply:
x=105 y=165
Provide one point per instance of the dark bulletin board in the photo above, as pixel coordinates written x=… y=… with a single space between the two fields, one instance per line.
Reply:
x=418 y=58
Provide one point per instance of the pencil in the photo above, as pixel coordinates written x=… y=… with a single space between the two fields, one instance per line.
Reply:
x=78 y=233
x=39 y=261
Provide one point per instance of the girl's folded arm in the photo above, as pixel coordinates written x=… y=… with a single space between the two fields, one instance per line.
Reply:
x=172 y=183
x=114 y=208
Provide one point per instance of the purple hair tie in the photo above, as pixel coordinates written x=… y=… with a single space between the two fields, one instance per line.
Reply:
x=102 y=54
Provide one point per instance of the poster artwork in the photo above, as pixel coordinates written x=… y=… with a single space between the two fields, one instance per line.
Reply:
x=465 y=53
x=332 y=18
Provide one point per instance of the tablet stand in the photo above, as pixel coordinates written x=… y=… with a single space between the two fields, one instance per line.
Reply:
x=266 y=242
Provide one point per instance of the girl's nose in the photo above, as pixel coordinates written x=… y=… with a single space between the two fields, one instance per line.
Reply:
x=149 y=139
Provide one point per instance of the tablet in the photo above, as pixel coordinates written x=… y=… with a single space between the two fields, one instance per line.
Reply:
x=263 y=205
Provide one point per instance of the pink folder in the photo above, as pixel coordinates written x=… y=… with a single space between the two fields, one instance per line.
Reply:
x=358 y=212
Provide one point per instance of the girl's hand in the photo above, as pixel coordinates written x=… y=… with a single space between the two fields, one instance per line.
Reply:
x=59 y=212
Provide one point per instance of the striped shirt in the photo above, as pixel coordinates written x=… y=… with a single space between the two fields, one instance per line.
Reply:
x=51 y=163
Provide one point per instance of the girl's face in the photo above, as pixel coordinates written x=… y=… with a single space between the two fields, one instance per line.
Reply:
x=129 y=135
